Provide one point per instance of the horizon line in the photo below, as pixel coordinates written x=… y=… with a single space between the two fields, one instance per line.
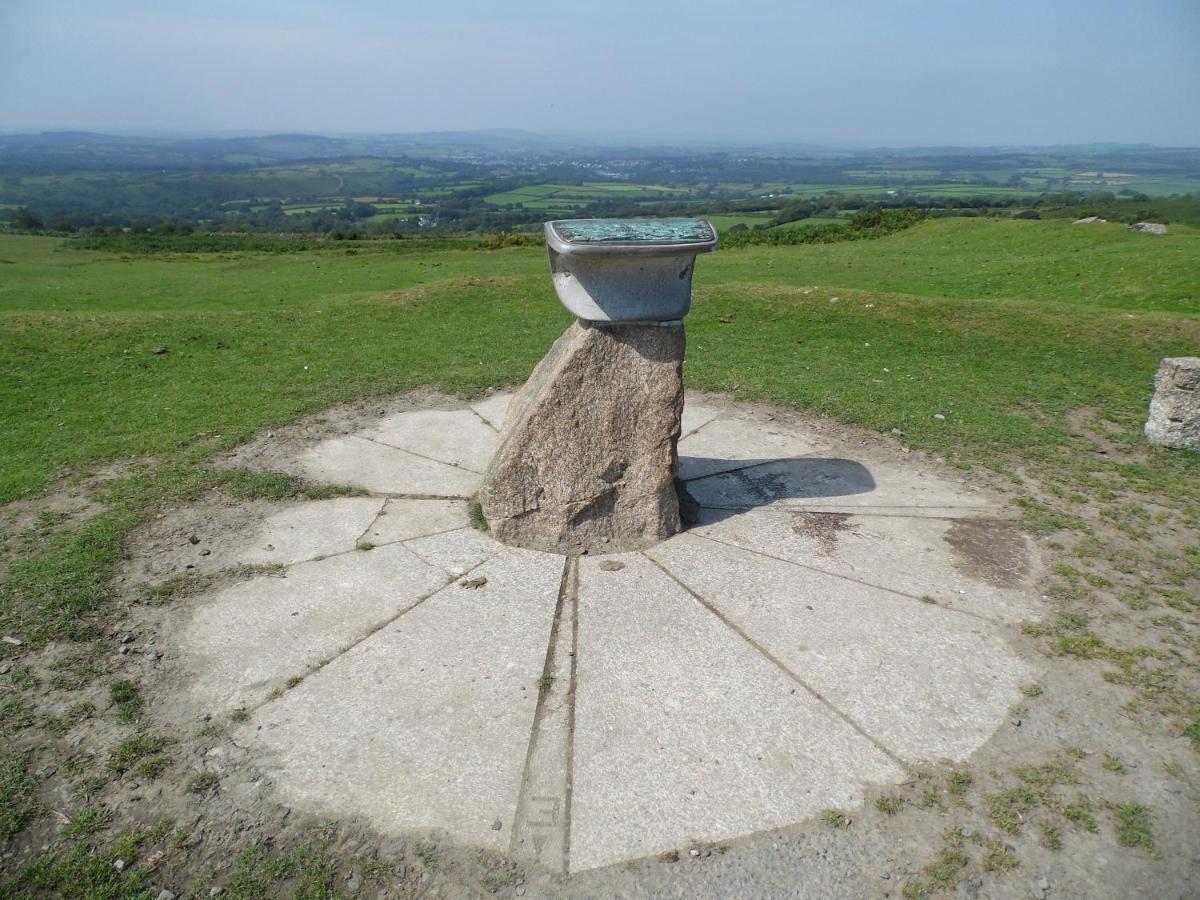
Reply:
x=515 y=135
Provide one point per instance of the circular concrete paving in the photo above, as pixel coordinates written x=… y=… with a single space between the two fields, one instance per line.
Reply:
x=835 y=618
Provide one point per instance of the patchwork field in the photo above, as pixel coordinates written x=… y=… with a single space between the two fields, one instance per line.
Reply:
x=1021 y=352
x=557 y=197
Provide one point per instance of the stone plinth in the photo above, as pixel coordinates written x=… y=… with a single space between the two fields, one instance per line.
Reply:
x=1175 y=410
x=587 y=452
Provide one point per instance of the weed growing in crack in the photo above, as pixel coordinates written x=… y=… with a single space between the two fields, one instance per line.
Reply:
x=834 y=818
x=889 y=804
x=478 y=519
x=957 y=781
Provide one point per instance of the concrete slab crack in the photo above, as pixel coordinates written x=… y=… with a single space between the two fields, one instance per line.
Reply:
x=539 y=826
x=858 y=581
x=817 y=695
x=483 y=420
x=371 y=524
x=431 y=459
x=371 y=633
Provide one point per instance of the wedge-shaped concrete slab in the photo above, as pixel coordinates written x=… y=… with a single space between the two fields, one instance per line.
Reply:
x=384 y=470
x=247 y=640
x=924 y=681
x=310 y=530
x=685 y=732
x=539 y=833
x=734 y=440
x=836 y=484
x=424 y=725
x=982 y=566
x=455 y=551
x=457 y=437
x=403 y=519
x=697 y=414
x=493 y=409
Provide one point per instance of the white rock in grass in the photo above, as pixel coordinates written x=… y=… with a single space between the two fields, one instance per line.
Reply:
x=1175 y=409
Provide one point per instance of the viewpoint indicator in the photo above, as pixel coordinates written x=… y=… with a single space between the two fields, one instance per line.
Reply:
x=634 y=231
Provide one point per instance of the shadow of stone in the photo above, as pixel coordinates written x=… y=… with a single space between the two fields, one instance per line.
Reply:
x=739 y=485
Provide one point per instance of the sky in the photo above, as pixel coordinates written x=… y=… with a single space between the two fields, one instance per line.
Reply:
x=848 y=72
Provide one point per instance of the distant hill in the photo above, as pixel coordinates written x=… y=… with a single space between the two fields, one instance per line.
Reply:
x=62 y=151
x=73 y=150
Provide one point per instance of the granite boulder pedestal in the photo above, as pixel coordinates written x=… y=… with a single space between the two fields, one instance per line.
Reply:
x=587 y=454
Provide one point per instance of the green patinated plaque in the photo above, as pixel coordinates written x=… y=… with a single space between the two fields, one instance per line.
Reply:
x=634 y=231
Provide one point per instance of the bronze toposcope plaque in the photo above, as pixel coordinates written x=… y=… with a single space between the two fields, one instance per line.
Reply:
x=626 y=270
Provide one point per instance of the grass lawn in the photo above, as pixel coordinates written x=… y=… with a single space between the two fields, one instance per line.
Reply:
x=275 y=336
x=1036 y=341
x=809 y=222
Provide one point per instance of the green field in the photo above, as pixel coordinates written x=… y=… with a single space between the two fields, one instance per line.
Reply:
x=1034 y=180
x=1034 y=341
x=569 y=197
x=101 y=312
x=809 y=222
x=263 y=185
x=748 y=219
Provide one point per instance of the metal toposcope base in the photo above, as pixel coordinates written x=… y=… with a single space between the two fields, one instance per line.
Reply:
x=626 y=270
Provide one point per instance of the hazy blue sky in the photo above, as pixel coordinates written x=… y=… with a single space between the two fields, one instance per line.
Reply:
x=874 y=71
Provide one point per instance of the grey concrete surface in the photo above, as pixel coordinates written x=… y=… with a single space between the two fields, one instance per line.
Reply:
x=539 y=832
x=425 y=725
x=402 y=519
x=697 y=414
x=733 y=440
x=312 y=530
x=364 y=463
x=493 y=409
x=455 y=551
x=684 y=731
x=840 y=612
x=833 y=482
x=249 y=639
x=456 y=436
x=928 y=683
x=977 y=565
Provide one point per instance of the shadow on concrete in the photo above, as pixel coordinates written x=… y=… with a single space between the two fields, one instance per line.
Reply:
x=740 y=484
